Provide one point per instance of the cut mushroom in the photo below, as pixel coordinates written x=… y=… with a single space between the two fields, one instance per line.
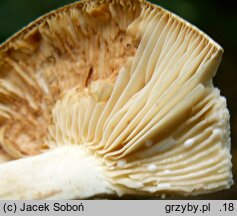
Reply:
x=111 y=97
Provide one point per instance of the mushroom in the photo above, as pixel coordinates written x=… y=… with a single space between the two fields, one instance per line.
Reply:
x=111 y=97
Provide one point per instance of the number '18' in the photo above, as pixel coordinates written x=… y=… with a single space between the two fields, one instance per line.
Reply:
x=228 y=206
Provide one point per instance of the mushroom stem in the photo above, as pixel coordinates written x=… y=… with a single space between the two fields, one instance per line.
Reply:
x=67 y=172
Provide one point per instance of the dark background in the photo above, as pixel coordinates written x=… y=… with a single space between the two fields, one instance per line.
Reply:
x=217 y=18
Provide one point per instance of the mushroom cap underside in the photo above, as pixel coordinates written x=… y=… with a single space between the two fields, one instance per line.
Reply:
x=128 y=81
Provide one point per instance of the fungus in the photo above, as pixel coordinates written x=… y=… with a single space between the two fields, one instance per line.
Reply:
x=111 y=97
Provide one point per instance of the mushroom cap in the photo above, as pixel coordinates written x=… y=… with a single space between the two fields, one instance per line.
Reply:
x=128 y=81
